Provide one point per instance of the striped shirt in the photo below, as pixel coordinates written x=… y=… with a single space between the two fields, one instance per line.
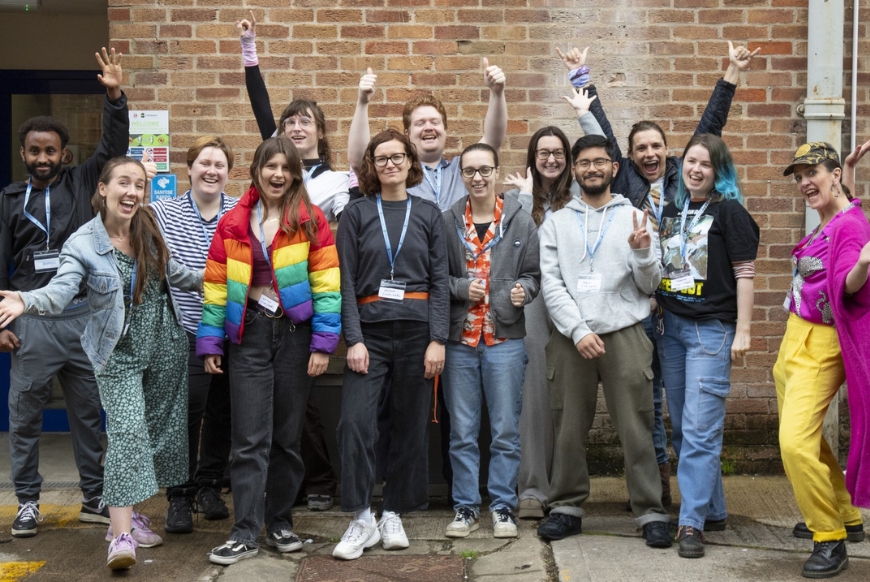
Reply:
x=188 y=238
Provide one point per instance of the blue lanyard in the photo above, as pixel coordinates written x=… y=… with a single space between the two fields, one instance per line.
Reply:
x=657 y=211
x=201 y=222
x=436 y=185
x=47 y=228
x=600 y=238
x=263 y=234
x=390 y=254
x=310 y=172
x=489 y=245
x=685 y=232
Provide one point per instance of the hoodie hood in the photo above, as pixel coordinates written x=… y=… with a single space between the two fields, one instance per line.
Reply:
x=577 y=204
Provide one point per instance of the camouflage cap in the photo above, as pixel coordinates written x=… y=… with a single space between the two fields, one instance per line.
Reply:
x=812 y=153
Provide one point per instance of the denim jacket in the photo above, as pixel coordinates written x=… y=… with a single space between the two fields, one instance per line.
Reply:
x=87 y=257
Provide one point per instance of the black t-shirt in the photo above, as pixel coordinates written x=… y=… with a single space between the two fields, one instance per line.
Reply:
x=724 y=234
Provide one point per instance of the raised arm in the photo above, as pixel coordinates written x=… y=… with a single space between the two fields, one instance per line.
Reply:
x=716 y=113
x=849 y=166
x=581 y=101
x=257 y=93
x=738 y=60
x=359 y=134
x=495 y=123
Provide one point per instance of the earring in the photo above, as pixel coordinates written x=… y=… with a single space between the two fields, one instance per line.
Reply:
x=837 y=191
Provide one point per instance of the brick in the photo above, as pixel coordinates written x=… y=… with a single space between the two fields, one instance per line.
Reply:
x=772 y=48
x=216 y=93
x=191 y=47
x=483 y=16
x=434 y=47
x=385 y=48
x=339 y=15
x=409 y=31
x=434 y=16
x=193 y=15
x=720 y=16
x=119 y=14
x=132 y=31
x=315 y=31
x=175 y=31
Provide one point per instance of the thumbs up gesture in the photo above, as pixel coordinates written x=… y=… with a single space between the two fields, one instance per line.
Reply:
x=367 y=86
x=493 y=76
x=518 y=295
x=150 y=167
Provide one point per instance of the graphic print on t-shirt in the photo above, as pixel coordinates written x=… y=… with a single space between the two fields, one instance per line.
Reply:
x=696 y=255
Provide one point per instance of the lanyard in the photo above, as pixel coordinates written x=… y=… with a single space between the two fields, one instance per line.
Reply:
x=657 y=211
x=601 y=233
x=46 y=229
x=489 y=245
x=201 y=222
x=684 y=232
x=310 y=173
x=262 y=234
x=390 y=254
x=436 y=185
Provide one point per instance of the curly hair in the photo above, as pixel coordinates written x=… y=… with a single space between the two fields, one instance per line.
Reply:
x=369 y=182
x=44 y=123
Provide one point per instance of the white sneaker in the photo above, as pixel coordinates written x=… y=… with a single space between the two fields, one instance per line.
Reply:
x=503 y=523
x=392 y=531
x=359 y=536
x=463 y=524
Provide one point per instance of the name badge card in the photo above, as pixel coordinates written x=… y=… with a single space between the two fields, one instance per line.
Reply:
x=682 y=280
x=46 y=261
x=392 y=291
x=269 y=302
x=589 y=283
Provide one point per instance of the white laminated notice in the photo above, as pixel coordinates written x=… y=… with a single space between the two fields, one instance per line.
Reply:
x=589 y=283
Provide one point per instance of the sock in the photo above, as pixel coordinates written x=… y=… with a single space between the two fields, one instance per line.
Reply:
x=364 y=515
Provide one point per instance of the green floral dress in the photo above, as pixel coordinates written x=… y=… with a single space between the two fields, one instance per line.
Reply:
x=143 y=389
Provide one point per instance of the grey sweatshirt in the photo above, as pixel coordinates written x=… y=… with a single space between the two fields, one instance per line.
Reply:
x=628 y=277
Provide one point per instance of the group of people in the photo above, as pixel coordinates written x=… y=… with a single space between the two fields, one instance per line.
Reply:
x=200 y=323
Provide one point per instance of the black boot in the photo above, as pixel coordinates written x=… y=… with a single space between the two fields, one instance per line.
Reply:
x=828 y=560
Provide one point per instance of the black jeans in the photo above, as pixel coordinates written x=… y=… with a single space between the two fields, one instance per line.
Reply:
x=208 y=424
x=396 y=350
x=270 y=385
x=320 y=479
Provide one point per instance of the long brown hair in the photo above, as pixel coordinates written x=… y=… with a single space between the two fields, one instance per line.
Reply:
x=561 y=188
x=295 y=194
x=149 y=250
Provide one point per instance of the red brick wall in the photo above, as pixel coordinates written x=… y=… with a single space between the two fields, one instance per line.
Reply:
x=655 y=59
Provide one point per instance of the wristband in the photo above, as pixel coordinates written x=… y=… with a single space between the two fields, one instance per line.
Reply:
x=249 y=50
x=579 y=77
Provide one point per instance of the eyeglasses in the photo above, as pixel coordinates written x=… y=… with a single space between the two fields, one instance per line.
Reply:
x=300 y=121
x=397 y=159
x=599 y=163
x=485 y=171
x=542 y=155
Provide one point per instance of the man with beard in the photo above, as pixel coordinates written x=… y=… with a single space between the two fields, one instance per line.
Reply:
x=36 y=218
x=598 y=303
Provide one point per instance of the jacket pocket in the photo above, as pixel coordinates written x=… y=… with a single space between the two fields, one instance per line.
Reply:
x=101 y=290
x=556 y=390
x=500 y=301
x=646 y=399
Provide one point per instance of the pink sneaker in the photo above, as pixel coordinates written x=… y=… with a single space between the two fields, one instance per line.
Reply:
x=122 y=553
x=141 y=534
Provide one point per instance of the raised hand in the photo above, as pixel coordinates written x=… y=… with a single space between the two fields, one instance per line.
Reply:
x=740 y=56
x=849 y=166
x=112 y=75
x=367 y=86
x=150 y=167
x=493 y=76
x=574 y=58
x=580 y=101
x=517 y=181
x=640 y=238
x=246 y=27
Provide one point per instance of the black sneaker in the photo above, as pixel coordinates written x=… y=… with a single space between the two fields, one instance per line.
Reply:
x=828 y=560
x=715 y=525
x=285 y=540
x=179 y=518
x=559 y=526
x=25 y=522
x=319 y=502
x=854 y=533
x=231 y=552
x=657 y=534
x=94 y=510
x=211 y=504
x=691 y=542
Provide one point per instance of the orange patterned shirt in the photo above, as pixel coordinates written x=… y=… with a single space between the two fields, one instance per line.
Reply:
x=478 y=321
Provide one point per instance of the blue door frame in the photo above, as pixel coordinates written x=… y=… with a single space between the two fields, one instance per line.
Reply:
x=14 y=82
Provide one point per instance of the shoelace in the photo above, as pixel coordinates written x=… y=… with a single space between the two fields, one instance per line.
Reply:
x=392 y=524
x=502 y=516
x=123 y=539
x=464 y=514
x=687 y=530
x=210 y=497
x=140 y=521
x=100 y=504
x=355 y=532
x=30 y=511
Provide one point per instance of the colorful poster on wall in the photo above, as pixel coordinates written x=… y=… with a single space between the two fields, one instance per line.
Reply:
x=149 y=133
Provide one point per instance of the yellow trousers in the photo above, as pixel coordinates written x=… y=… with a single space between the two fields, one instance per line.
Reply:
x=808 y=372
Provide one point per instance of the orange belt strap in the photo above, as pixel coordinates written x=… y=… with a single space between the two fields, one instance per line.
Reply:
x=411 y=295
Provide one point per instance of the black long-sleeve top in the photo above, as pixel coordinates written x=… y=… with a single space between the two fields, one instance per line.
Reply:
x=421 y=264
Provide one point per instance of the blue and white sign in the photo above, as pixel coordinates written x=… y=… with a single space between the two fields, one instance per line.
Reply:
x=163 y=186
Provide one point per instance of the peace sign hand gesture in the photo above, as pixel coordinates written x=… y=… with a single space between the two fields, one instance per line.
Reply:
x=112 y=75
x=640 y=238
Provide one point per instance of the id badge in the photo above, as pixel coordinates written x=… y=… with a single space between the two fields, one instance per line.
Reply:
x=657 y=245
x=589 y=283
x=46 y=261
x=786 y=305
x=269 y=302
x=682 y=280
x=392 y=291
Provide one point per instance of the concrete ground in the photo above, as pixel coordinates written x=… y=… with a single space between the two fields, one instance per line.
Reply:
x=756 y=546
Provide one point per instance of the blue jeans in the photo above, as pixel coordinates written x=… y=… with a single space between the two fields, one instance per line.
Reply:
x=696 y=368
x=496 y=372
x=660 y=437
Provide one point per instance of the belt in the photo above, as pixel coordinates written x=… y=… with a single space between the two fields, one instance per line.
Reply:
x=411 y=295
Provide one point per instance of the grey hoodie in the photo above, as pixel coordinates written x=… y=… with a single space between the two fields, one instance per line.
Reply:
x=628 y=277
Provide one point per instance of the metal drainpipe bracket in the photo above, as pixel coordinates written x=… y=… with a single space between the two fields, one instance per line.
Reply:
x=833 y=108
